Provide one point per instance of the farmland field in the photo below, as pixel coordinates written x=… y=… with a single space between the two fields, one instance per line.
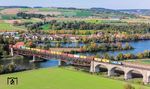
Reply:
x=145 y=61
x=64 y=78
x=7 y=26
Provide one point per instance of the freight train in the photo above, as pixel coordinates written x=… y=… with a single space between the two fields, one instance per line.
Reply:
x=69 y=55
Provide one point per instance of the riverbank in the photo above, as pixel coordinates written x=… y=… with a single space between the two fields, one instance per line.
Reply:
x=61 y=78
x=14 y=57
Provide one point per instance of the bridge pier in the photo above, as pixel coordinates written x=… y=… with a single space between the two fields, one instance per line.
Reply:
x=11 y=52
x=127 y=76
x=111 y=72
x=33 y=59
x=92 y=67
x=146 y=78
x=59 y=62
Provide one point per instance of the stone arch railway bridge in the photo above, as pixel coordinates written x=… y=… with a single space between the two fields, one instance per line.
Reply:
x=126 y=68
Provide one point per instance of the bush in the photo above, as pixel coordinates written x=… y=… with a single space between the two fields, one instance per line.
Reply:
x=128 y=86
x=11 y=67
x=1 y=68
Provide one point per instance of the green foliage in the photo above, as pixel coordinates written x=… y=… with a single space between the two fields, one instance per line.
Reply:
x=129 y=86
x=93 y=47
x=11 y=67
x=8 y=17
x=1 y=68
x=120 y=56
x=28 y=16
x=7 y=26
x=83 y=25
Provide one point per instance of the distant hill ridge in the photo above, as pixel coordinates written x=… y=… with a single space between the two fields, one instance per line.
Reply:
x=86 y=12
x=145 y=12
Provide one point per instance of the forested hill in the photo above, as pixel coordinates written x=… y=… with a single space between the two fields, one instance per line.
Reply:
x=145 y=12
x=111 y=13
x=100 y=12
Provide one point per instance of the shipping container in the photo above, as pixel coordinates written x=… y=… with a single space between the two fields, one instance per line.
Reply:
x=105 y=60
x=119 y=63
x=22 y=47
x=116 y=62
x=84 y=57
x=46 y=51
x=32 y=49
x=64 y=54
x=43 y=51
x=90 y=58
x=58 y=53
x=70 y=55
x=14 y=46
x=76 y=56
x=27 y=48
x=53 y=52
x=98 y=59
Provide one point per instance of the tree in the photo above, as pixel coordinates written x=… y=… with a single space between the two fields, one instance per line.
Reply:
x=127 y=46
x=120 y=56
x=140 y=55
x=1 y=68
x=97 y=55
x=5 y=54
x=106 y=55
x=58 y=44
x=11 y=67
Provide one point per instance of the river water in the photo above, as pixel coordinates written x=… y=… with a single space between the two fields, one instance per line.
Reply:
x=139 y=46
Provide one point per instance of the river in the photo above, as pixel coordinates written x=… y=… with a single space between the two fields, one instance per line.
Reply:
x=140 y=46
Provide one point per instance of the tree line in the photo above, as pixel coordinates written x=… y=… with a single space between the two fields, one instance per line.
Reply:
x=28 y=16
x=93 y=47
x=121 y=56
x=82 y=25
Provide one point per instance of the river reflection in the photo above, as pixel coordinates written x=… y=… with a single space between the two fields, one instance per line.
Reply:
x=25 y=63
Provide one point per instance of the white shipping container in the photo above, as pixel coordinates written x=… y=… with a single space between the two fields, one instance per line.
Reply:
x=77 y=56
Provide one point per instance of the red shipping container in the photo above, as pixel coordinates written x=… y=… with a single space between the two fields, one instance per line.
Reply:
x=70 y=55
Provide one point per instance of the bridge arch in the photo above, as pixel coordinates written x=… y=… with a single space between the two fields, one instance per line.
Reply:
x=133 y=73
x=101 y=68
x=116 y=71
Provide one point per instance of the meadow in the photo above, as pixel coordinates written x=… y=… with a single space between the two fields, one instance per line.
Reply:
x=61 y=78
x=7 y=27
x=140 y=61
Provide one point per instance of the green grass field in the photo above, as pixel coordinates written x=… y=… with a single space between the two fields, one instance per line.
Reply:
x=60 y=78
x=141 y=61
x=46 y=27
x=7 y=26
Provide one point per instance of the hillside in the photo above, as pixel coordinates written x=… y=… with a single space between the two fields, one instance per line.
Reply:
x=67 y=12
x=145 y=12
x=60 y=78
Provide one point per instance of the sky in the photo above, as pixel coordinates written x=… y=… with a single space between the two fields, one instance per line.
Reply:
x=111 y=4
